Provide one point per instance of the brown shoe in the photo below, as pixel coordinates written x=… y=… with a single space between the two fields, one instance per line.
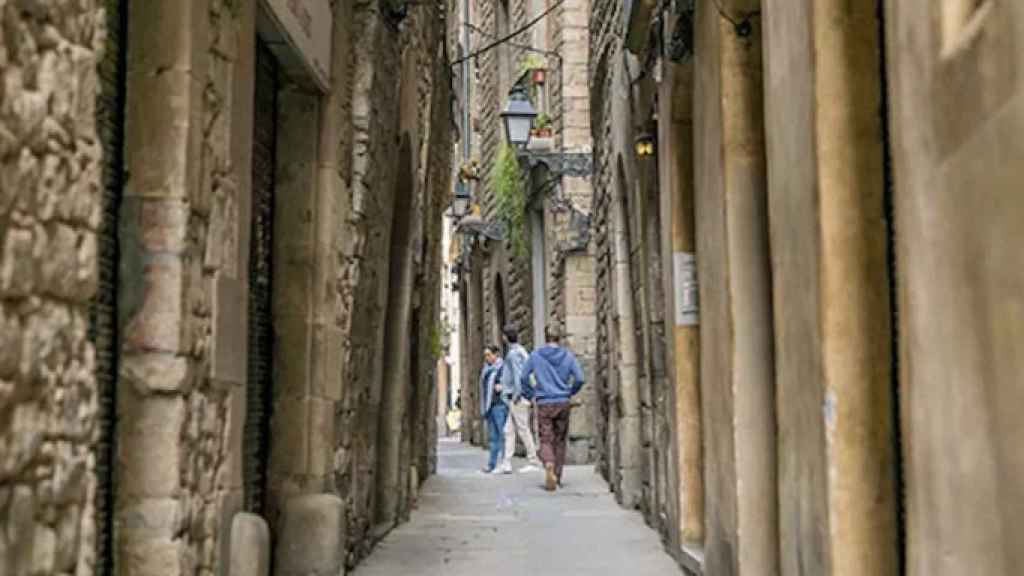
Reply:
x=550 y=480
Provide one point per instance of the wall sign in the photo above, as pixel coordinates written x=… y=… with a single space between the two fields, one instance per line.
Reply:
x=306 y=26
x=686 y=289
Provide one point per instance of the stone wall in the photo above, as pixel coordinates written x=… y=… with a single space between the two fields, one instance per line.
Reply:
x=636 y=448
x=183 y=222
x=382 y=118
x=180 y=394
x=50 y=213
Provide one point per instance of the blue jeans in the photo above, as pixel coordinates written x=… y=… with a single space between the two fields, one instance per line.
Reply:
x=496 y=418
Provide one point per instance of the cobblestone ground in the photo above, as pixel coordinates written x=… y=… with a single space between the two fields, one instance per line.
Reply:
x=471 y=524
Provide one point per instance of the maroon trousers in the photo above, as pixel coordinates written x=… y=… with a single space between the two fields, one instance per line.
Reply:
x=553 y=421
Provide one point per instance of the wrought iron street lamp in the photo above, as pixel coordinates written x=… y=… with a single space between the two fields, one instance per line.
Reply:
x=518 y=117
x=460 y=205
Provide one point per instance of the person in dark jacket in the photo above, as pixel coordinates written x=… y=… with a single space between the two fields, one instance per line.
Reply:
x=557 y=378
x=494 y=406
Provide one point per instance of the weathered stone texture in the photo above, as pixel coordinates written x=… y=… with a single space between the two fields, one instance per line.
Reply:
x=635 y=417
x=179 y=234
x=50 y=159
x=383 y=112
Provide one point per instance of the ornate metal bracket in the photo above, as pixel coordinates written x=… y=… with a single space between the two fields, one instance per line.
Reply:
x=480 y=227
x=579 y=164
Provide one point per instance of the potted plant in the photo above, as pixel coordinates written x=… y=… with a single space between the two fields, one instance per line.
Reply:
x=536 y=67
x=469 y=171
x=542 y=126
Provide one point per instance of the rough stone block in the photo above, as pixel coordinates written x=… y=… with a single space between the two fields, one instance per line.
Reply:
x=230 y=473
x=158 y=372
x=157 y=323
x=327 y=356
x=17 y=269
x=162 y=224
x=10 y=341
x=152 y=557
x=250 y=546
x=69 y=538
x=20 y=527
x=44 y=550
x=293 y=279
x=158 y=138
x=321 y=436
x=150 y=518
x=150 y=456
x=312 y=537
x=289 y=453
x=230 y=344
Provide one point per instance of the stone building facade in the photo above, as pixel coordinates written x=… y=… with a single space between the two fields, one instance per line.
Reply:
x=827 y=309
x=218 y=295
x=552 y=281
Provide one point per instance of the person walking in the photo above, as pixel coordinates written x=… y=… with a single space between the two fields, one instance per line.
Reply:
x=518 y=422
x=558 y=377
x=493 y=406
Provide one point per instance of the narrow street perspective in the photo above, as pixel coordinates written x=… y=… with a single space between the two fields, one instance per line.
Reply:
x=511 y=287
x=467 y=525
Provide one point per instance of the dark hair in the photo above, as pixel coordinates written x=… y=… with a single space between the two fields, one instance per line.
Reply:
x=493 y=349
x=510 y=334
x=552 y=333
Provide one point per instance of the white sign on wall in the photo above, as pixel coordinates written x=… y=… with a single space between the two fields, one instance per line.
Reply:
x=686 y=289
x=306 y=26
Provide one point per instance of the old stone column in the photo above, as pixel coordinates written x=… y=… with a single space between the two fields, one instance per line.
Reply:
x=627 y=475
x=837 y=508
x=676 y=150
x=737 y=388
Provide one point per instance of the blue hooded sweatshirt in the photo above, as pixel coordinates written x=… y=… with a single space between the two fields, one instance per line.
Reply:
x=557 y=372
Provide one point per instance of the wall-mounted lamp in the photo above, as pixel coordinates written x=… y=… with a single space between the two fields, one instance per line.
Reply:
x=518 y=117
x=461 y=201
x=644 y=145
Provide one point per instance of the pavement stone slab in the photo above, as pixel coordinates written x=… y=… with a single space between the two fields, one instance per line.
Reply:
x=468 y=523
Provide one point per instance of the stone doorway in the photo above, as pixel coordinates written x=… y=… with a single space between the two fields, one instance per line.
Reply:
x=259 y=397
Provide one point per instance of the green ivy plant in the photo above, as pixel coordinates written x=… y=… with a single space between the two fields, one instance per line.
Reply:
x=531 y=62
x=437 y=333
x=510 y=194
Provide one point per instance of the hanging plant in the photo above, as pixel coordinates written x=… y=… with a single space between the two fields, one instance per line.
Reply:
x=510 y=194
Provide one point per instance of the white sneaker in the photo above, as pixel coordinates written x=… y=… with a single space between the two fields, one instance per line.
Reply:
x=504 y=470
x=529 y=468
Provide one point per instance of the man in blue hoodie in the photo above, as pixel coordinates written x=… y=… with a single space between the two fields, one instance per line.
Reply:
x=493 y=406
x=558 y=378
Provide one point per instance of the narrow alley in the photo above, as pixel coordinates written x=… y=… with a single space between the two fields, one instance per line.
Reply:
x=279 y=277
x=469 y=524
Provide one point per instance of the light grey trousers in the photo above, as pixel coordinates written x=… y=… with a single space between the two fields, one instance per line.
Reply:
x=519 y=423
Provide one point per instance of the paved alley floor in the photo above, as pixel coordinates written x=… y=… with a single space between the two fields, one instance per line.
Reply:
x=471 y=524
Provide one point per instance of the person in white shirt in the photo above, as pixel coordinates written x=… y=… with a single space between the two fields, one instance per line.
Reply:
x=518 y=422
